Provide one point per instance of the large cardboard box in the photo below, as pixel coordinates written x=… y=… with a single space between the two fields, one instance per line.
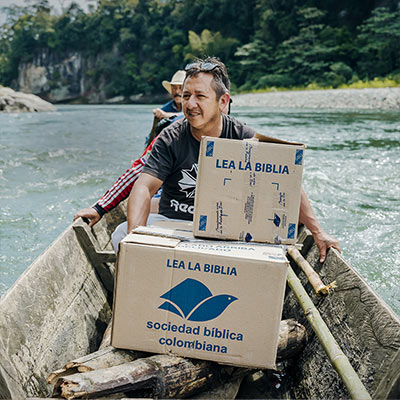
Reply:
x=219 y=301
x=249 y=190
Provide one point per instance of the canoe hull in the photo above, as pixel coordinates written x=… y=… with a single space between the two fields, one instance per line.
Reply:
x=58 y=309
x=366 y=329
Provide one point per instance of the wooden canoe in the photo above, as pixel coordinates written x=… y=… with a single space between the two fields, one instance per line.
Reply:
x=59 y=309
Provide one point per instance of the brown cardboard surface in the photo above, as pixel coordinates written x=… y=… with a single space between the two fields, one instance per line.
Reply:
x=228 y=299
x=248 y=190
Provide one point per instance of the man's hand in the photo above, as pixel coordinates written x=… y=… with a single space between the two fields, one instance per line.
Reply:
x=89 y=213
x=160 y=114
x=324 y=241
x=321 y=238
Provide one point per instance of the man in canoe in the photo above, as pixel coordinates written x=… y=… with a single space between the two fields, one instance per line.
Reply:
x=174 y=88
x=119 y=191
x=176 y=150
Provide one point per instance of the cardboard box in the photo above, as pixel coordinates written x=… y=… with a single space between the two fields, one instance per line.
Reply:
x=219 y=301
x=248 y=190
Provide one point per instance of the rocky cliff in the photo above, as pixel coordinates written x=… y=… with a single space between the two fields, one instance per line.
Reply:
x=60 y=79
x=71 y=78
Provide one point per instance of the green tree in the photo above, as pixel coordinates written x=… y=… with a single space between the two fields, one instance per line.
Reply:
x=70 y=30
x=132 y=45
x=26 y=29
x=379 y=43
x=316 y=53
x=255 y=60
x=209 y=43
x=233 y=18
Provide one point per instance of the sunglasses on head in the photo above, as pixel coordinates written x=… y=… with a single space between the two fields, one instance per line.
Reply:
x=206 y=66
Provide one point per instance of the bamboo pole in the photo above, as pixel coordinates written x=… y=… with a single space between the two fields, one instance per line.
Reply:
x=336 y=356
x=312 y=276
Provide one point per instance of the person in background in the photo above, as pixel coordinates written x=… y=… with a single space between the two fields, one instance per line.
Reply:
x=174 y=88
x=172 y=163
x=170 y=111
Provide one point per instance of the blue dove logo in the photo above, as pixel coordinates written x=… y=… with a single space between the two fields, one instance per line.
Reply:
x=276 y=220
x=192 y=300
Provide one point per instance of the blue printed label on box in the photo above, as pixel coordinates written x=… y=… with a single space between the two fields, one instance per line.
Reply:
x=299 y=157
x=291 y=231
x=210 y=149
x=203 y=223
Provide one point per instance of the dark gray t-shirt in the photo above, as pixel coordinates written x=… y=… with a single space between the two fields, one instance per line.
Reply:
x=174 y=159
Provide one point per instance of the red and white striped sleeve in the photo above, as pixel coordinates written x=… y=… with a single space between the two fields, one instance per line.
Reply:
x=121 y=189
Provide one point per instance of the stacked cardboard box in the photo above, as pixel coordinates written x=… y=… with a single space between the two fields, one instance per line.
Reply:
x=249 y=190
x=219 y=301
x=207 y=299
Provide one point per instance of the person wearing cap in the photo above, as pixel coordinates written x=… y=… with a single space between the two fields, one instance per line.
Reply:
x=174 y=88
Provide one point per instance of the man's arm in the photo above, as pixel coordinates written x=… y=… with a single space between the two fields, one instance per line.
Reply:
x=160 y=114
x=139 y=200
x=321 y=238
x=118 y=192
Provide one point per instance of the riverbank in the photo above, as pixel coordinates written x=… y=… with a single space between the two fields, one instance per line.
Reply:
x=365 y=99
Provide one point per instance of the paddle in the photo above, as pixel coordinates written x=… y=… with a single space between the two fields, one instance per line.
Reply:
x=152 y=134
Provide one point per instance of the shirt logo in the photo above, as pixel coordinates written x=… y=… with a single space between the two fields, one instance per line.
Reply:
x=193 y=301
x=188 y=181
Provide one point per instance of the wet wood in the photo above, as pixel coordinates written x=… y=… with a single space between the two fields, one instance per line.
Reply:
x=312 y=276
x=226 y=391
x=292 y=339
x=104 y=358
x=161 y=376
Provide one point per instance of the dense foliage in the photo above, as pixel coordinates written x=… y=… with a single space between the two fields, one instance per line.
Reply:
x=263 y=42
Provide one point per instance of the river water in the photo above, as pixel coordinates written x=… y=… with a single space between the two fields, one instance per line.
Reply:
x=53 y=164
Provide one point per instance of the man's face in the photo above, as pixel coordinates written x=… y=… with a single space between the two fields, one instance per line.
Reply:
x=199 y=101
x=176 y=93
